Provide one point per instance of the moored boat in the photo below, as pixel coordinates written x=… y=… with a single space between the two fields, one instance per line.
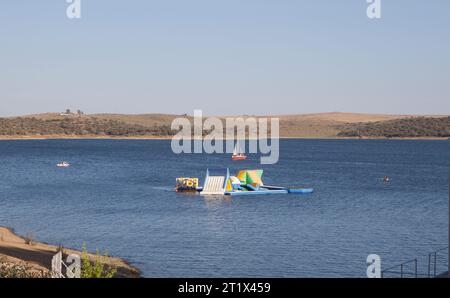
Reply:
x=238 y=154
x=63 y=164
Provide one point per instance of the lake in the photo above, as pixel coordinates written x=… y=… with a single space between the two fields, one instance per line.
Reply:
x=117 y=196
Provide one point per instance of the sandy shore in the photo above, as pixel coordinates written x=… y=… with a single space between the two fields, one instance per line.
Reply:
x=37 y=256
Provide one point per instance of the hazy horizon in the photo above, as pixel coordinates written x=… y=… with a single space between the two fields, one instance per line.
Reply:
x=74 y=111
x=225 y=57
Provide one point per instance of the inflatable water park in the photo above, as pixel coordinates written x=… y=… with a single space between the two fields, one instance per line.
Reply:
x=244 y=183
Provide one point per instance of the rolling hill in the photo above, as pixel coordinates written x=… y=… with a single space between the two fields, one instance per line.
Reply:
x=324 y=125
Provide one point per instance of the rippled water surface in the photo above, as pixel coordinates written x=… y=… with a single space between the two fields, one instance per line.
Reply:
x=116 y=196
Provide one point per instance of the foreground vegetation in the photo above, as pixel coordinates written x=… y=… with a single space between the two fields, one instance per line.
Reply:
x=24 y=257
x=91 y=267
x=95 y=268
x=22 y=270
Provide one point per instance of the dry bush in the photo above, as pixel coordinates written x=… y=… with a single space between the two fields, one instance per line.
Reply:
x=11 y=270
x=29 y=238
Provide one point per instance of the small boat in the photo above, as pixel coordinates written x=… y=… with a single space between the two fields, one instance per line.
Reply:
x=238 y=154
x=63 y=164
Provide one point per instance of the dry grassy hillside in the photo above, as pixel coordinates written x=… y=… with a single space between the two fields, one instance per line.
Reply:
x=325 y=125
x=399 y=128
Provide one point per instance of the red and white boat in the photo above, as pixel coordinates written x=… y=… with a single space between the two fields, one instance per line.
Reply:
x=238 y=154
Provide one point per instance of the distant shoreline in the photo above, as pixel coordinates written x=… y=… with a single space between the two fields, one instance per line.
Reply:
x=159 y=126
x=65 y=137
x=62 y=137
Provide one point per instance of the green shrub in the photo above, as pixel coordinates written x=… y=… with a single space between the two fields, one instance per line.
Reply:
x=95 y=268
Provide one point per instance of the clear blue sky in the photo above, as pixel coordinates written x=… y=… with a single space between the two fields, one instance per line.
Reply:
x=225 y=57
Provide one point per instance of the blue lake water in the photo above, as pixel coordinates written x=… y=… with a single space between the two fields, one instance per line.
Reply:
x=116 y=196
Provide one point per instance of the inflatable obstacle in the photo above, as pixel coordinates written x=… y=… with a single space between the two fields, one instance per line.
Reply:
x=245 y=183
x=187 y=184
x=215 y=182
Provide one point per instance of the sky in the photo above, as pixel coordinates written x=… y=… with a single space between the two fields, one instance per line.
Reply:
x=225 y=57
